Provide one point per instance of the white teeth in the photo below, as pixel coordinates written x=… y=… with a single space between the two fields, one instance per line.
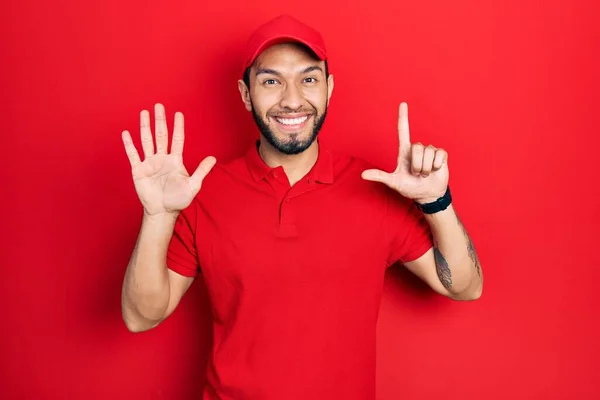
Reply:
x=292 y=121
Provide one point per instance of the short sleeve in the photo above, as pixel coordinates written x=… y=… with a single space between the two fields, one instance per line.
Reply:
x=409 y=235
x=182 y=256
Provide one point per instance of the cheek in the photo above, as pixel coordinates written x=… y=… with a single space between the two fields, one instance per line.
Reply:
x=317 y=98
x=264 y=102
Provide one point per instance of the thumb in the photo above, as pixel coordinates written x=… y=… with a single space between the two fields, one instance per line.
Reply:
x=377 y=175
x=200 y=173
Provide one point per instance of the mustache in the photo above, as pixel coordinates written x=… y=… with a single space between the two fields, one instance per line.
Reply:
x=290 y=111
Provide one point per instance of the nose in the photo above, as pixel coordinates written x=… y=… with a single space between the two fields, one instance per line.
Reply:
x=291 y=97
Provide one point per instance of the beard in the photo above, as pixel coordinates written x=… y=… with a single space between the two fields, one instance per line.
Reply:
x=294 y=145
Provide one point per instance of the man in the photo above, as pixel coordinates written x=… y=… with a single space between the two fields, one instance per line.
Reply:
x=292 y=239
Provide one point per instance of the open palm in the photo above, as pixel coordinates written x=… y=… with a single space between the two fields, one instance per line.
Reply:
x=161 y=181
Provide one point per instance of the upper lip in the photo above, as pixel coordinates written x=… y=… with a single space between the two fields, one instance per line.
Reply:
x=291 y=115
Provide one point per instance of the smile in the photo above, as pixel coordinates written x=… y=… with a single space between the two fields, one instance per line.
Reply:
x=289 y=124
x=291 y=121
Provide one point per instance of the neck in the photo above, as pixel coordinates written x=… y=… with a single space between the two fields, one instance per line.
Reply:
x=295 y=166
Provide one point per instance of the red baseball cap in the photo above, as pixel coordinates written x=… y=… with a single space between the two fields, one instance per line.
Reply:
x=283 y=29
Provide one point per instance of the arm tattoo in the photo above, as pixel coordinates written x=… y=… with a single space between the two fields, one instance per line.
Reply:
x=471 y=249
x=442 y=268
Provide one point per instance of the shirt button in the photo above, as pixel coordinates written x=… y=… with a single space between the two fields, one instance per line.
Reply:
x=275 y=174
x=287 y=200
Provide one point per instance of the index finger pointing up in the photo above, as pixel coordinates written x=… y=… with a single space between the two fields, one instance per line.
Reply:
x=403 y=130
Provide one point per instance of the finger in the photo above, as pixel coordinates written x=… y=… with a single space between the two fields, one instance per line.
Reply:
x=440 y=158
x=428 y=156
x=178 y=134
x=146 y=134
x=403 y=130
x=198 y=176
x=162 y=135
x=377 y=175
x=416 y=158
x=130 y=150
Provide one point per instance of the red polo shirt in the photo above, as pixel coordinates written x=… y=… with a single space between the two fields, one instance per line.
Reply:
x=294 y=275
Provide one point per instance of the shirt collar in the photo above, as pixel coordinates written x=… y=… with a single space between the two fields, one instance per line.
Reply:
x=322 y=171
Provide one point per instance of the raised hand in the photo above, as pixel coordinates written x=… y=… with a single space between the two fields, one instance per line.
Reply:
x=161 y=180
x=422 y=171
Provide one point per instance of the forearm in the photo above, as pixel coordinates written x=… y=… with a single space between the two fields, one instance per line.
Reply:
x=146 y=289
x=456 y=260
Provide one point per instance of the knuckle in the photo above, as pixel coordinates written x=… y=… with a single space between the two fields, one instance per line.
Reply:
x=417 y=148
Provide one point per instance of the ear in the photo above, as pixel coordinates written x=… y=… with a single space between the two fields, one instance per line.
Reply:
x=245 y=93
x=329 y=87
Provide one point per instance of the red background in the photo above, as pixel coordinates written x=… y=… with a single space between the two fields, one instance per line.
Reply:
x=510 y=89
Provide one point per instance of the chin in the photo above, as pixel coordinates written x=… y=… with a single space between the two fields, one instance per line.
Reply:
x=290 y=143
x=292 y=138
x=290 y=146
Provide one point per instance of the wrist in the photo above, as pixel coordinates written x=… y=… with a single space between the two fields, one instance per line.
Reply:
x=160 y=218
x=426 y=200
x=434 y=205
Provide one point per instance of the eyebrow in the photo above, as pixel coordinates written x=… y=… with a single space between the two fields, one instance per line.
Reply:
x=277 y=73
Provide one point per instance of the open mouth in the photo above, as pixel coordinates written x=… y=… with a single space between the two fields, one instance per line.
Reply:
x=291 y=123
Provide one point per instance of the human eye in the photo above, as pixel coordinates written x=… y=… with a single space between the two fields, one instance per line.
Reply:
x=269 y=82
x=310 y=79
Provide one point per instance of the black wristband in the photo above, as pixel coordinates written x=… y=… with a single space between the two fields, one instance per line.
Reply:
x=439 y=205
